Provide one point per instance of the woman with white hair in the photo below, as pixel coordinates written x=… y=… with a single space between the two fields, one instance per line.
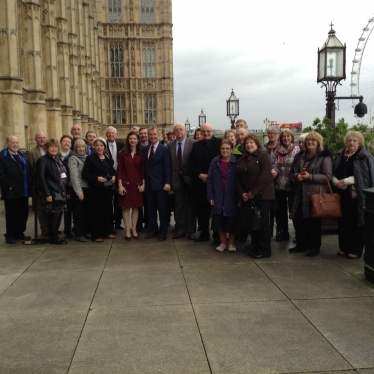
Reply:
x=98 y=171
x=353 y=171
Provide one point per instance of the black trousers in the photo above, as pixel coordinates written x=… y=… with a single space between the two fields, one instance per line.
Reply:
x=81 y=213
x=308 y=231
x=54 y=221
x=157 y=201
x=351 y=236
x=261 y=239
x=101 y=212
x=281 y=213
x=203 y=211
x=68 y=214
x=16 y=214
x=184 y=211
x=117 y=210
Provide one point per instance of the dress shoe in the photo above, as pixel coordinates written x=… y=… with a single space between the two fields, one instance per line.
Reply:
x=352 y=256
x=10 y=241
x=296 y=249
x=98 y=240
x=23 y=237
x=282 y=236
x=87 y=236
x=191 y=236
x=161 y=238
x=341 y=253
x=58 y=241
x=261 y=255
x=136 y=237
x=81 y=239
x=110 y=236
x=151 y=235
x=202 y=239
x=179 y=235
x=128 y=238
x=312 y=253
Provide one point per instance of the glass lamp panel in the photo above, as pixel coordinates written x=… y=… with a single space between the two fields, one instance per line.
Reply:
x=331 y=63
x=321 y=65
x=340 y=63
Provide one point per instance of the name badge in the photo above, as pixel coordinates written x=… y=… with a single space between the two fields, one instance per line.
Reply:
x=63 y=175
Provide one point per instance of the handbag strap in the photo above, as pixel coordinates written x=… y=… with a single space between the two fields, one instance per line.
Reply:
x=328 y=186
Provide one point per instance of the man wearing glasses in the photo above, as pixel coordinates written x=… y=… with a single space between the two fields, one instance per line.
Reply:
x=202 y=154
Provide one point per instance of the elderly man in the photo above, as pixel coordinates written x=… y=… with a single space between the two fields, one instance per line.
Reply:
x=157 y=174
x=241 y=124
x=16 y=183
x=114 y=146
x=201 y=156
x=90 y=137
x=33 y=155
x=180 y=150
x=76 y=133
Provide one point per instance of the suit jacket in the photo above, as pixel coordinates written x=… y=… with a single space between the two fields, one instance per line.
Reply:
x=119 y=144
x=157 y=171
x=178 y=171
x=93 y=168
x=33 y=155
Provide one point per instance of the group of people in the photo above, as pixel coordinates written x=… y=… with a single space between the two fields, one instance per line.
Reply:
x=95 y=183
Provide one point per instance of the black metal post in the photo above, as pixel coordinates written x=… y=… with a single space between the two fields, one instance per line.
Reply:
x=330 y=106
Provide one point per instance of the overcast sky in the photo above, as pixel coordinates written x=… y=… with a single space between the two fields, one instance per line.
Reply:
x=267 y=51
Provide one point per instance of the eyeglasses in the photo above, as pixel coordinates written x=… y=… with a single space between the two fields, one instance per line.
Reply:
x=272 y=133
x=206 y=131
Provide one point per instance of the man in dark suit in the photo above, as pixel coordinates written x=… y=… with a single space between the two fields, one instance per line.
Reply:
x=90 y=137
x=113 y=147
x=157 y=174
x=201 y=156
x=184 y=212
x=33 y=155
x=15 y=182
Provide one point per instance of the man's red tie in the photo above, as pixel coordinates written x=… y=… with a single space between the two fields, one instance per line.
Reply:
x=179 y=153
x=152 y=152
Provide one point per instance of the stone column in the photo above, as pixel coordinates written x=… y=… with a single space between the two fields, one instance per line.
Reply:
x=11 y=99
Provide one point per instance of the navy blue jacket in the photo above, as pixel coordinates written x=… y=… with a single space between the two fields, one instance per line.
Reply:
x=225 y=201
x=12 y=175
x=157 y=171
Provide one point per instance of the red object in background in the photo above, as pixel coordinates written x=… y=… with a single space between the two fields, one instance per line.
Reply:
x=297 y=125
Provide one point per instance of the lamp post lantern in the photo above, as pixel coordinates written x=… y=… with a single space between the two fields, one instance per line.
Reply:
x=187 y=126
x=202 y=118
x=331 y=70
x=232 y=108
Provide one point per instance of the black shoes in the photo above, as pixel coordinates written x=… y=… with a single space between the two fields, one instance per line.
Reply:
x=151 y=235
x=312 y=253
x=261 y=255
x=282 y=236
x=58 y=241
x=296 y=249
x=10 y=241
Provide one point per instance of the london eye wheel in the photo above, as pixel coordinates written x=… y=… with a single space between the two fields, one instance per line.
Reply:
x=362 y=74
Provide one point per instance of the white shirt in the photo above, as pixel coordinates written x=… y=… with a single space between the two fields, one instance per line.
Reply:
x=42 y=151
x=113 y=152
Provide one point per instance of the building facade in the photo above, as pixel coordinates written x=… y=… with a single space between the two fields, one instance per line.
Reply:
x=92 y=62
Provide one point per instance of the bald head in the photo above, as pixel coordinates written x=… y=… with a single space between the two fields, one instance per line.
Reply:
x=40 y=138
x=207 y=131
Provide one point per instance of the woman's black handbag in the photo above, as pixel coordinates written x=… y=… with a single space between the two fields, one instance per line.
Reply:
x=249 y=217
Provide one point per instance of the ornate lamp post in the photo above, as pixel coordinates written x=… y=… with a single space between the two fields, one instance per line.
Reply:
x=232 y=108
x=331 y=70
x=202 y=118
x=187 y=126
x=266 y=123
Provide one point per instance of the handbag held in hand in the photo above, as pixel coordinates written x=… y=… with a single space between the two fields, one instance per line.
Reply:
x=325 y=205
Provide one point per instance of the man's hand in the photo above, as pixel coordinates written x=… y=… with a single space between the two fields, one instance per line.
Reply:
x=203 y=177
x=81 y=197
x=211 y=202
x=167 y=187
x=48 y=199
x=341 y=184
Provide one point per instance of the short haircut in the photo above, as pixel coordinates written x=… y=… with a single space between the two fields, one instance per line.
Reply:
x=286 y=131
x=79 y=143
x=314 y=135
x=274 y=129
x=240 y=120
x=178 y=124
x=355 y=134
x=127 y=149
x=66 y=136
x=143 y=128
x=111 y=128
x=51 y=142
x=254 y=138
x=100 y=139
x=226 y=141
x=90 y=132
x=228 y=132
x=152 y=128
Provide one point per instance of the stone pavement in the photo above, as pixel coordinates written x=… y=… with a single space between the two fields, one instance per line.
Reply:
x=181 y=307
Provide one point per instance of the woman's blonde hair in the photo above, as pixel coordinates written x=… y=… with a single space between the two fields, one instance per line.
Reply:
x=228 y=132
x=313 y=135
x=355 y=134
x=286 y=131
x=78 y=143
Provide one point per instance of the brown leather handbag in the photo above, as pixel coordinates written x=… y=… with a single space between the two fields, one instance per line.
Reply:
x=326 y=205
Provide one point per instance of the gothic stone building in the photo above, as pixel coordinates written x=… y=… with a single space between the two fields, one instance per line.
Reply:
x=92 y=62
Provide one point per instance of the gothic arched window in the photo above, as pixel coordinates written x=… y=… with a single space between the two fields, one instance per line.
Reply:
x=114 y=10
x=148 y=11
x=149 y=63
x=116 y=60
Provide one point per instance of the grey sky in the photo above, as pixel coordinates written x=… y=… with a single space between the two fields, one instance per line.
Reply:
x=265 y=50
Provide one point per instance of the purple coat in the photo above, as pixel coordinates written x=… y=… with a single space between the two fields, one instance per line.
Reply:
x=225 y=200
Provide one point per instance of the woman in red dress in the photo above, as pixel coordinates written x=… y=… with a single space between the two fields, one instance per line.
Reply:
x=130 y=176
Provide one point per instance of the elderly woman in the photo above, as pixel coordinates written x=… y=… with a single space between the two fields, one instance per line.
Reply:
x=221 y=194
x=230 y=135
x=64 y=154
x=254 y=182
x=53 y=181
x=79 y=191
x=353 y=171
x=98 y=171
x=310 y=173
x=283 y=158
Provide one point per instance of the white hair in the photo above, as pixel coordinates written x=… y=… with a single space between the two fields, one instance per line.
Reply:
x=111 y=128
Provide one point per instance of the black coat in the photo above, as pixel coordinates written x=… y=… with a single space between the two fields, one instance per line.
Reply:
x=93 y=168
x=48 y=176
x=12 y=175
